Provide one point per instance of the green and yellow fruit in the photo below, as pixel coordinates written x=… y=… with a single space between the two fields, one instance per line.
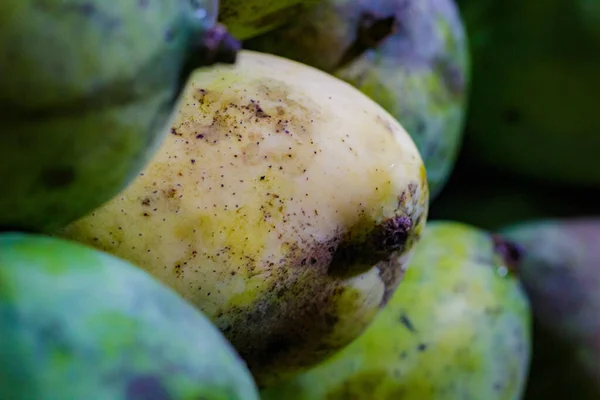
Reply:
x=535 y=90
x=409 y=56
x=560 y=269
x=249 y=18
x=284 y=204
x=77 y=323
x=86 y=89
x=458 y=327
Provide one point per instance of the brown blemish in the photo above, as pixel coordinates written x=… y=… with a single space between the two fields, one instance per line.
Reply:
x=510 y=252
x=391 y=273
x=359 y=253
x=386 y=124
x=292 y=321
x=365 y=385
x=200 y=96
x=227 y=116
x=372 y=30
x=405 y=320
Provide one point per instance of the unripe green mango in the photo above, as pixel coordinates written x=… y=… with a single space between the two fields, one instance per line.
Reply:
x=76 y=323
x=86 y=89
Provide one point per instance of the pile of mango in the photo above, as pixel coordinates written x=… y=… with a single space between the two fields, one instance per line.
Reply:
x=299 y=200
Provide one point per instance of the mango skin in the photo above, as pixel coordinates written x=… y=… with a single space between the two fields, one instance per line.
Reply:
x=560 y=270
x=419 y=73
x=456 y=328
x=533 y=107
x=85 y=93
x=249 y=18
x=77 y=323
x=270 y=172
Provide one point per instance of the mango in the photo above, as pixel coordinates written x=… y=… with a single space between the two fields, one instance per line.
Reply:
x=560 y=268
x=86 y=90
x=535 y=88
x=284 y=204
x=458 y=327
x=409 y=56
x=77 y=323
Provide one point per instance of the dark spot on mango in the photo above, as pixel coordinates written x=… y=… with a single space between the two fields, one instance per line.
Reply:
x=300 y=306
x=390 y=273
x=511 y=252
x=404 y=320
x=364 y=386
x=371 y=31
x=360 y=250
x=57 y=177
x=452 y=76
x=146 y=387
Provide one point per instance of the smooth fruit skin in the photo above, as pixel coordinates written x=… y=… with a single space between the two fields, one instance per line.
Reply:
x=457 y=328
x=560 y=269
x=535 y=89
x=77 y=323
x=86 y=89
x=249 y=18
x=283 y=203
x=410 y=56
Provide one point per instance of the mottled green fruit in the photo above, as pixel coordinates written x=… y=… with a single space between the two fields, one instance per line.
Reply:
x=77 y=323
x=410 y=56
x=85 y=92
x=491 y=200
x=249 y=18
x=534 y=103
x=560 y=269
x=457 y=328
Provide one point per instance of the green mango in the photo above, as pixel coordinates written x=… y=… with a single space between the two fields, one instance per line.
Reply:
x=560 y=270
x=409 y=56
x=249 y=18
x=536 y=87
x=86 y=91
x=491 y=200
x=457 y=328
x=77 y=323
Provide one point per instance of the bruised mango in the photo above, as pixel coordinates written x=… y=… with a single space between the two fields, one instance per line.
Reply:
x=458 y=327
x=284 y=204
